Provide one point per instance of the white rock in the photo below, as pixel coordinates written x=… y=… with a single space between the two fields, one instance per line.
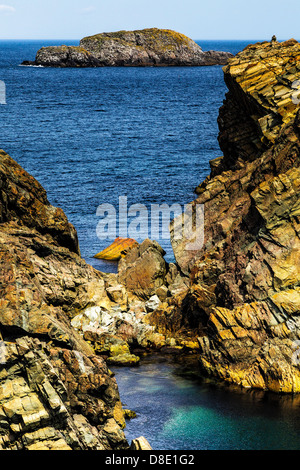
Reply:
x=105 y=318
x=152 y=304
x=93 y=313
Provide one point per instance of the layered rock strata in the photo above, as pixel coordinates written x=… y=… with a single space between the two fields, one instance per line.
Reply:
x=63 y=323
x=244 y=298
x=55 y=393
x=144 y=283
x=147 y=47
x=237 y=298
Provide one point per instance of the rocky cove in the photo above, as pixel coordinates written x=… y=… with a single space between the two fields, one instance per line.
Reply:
x=234 y=303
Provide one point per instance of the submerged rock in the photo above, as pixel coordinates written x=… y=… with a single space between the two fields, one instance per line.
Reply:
x=147 y=47
x=140 y=443
x=129 y=414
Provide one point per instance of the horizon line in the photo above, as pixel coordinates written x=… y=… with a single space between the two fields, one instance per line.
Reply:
x=198 y=39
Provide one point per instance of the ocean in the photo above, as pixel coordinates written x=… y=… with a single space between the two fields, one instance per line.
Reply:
x=91 y=136
x=177 y=409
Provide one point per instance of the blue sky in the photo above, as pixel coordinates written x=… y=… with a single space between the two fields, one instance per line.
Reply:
x=198 y=19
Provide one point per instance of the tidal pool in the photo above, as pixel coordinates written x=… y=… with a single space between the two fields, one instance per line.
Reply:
x=177 y=409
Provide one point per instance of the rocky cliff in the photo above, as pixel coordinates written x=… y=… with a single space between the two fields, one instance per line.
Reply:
x=147 y=47
x=236 y=300
x=62 y=323
x=244 y=297
x=55 y=393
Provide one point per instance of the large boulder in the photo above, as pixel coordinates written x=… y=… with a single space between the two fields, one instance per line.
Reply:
x=143 y=270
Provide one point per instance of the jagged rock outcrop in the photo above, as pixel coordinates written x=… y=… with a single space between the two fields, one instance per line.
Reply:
x=244 y=299
x=24 y=201
x=62 y=323
x=56 y=398
x=143 y=269
x=144 y=272
x=55 y=393
x=147 y=47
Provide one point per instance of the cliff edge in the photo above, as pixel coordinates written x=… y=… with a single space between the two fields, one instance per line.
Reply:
x=55 y=393
x=147 y=47
x=244 y=298
x=62 y=323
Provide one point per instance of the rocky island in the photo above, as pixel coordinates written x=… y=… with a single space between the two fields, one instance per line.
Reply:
x=147 y=47
x=235 y=302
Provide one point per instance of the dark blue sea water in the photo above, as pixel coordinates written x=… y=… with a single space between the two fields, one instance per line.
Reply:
x=92 y=135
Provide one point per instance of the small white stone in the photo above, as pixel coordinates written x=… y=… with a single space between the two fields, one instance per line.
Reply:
x=152 y=304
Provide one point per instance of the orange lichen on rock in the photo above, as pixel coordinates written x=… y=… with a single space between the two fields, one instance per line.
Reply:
x=117 y=249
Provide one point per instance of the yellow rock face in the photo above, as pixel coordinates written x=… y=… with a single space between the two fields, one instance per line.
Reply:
x=289 y=300
x=249 y=328
x=257 y=344
x=119 y=415
x=267 y=74
x=117 y=249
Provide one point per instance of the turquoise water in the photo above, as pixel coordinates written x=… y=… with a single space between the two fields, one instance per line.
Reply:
x=176 y=411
